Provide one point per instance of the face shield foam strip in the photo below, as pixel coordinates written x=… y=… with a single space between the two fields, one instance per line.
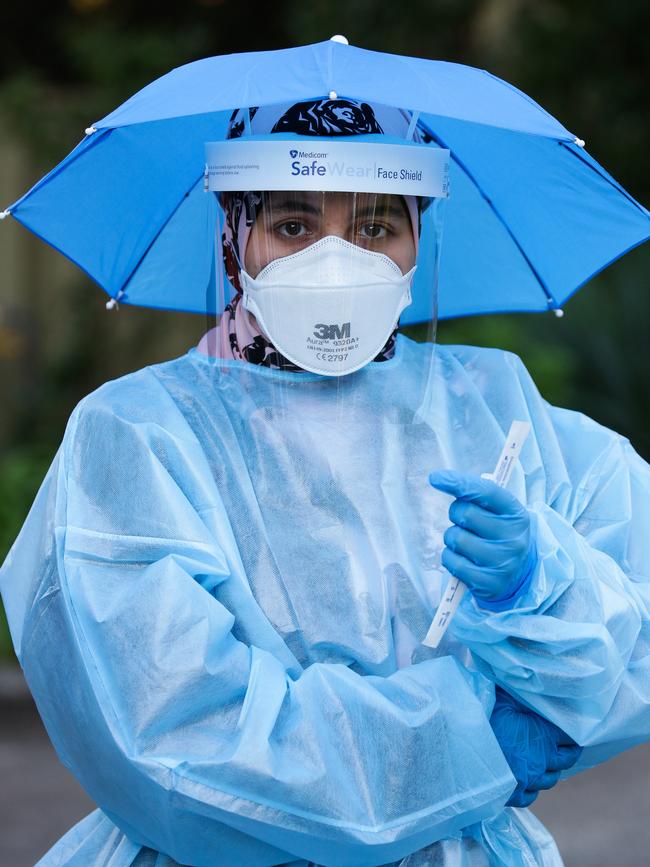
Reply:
x=356 y=165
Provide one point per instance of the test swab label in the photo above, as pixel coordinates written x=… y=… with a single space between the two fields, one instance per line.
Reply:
x=517 y=434
x=455 y=589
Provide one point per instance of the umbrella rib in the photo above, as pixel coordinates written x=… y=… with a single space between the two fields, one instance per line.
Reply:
x=549 y=295
x=156 y=236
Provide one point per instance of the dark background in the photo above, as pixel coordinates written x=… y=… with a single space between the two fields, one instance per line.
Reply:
x=64 y=65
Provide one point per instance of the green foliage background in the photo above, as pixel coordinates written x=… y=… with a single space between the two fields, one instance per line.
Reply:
x=65 y=64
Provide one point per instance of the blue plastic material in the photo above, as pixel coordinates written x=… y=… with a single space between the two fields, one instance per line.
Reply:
x=537 y=751
x=219 y=599
x=522 y=193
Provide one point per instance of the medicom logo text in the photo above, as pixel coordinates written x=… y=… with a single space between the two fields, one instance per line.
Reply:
x=307 y=155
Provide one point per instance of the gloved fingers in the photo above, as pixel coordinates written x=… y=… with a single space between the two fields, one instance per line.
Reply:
x=504 y=698
x=472 y=547
x=565 y=741
x=521 y=798
x=473 y=518
x=544 y=781
x=528 y=797
x=565 y=758
x=484 y=492
x=498 y=555
x=466 y=571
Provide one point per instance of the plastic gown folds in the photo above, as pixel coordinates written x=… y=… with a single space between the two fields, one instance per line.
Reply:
x=220 y=594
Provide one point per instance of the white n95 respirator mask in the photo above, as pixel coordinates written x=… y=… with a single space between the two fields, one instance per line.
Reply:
x=331 y=307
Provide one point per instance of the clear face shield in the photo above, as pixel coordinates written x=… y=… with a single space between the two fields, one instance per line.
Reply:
x=330 y=245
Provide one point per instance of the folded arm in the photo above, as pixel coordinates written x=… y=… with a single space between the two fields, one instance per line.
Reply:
x=191 y=740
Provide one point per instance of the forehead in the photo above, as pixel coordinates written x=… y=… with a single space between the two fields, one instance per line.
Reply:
x=317 y=202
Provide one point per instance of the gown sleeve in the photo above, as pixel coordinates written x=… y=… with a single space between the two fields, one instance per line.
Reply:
x=193 y=741
x=576 y=646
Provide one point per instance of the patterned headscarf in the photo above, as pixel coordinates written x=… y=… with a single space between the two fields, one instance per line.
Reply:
x=322 y=117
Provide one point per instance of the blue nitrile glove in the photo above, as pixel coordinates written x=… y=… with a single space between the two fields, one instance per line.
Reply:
x=536 y=749
x=489 y=546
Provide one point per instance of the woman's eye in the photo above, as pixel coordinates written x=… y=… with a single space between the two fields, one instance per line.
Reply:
x=292 y=229
x=373 y=230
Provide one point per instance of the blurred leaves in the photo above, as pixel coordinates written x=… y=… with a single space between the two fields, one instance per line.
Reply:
x=64 y=65
x=6 y=649
x=552 y=367
x=50 y=116
x=440 y=30
x=11 y=343
x=21 y=473
x=590 y=66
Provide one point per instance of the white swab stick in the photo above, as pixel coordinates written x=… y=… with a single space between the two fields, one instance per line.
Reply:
x=455 y=589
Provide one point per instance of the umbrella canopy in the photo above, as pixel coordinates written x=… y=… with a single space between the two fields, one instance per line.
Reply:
x=531 y=215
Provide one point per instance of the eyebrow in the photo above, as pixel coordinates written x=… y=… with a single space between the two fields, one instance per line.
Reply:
x=391 y=210
x=290 y=206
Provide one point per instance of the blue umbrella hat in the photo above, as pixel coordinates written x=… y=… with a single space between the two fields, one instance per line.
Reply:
x=531 y=216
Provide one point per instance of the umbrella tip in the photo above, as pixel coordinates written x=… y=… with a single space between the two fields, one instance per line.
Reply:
x=339 y=38
x=579 y=141
x=90 y=130
x=112 y=303
x=559 y=312
x=4 y=214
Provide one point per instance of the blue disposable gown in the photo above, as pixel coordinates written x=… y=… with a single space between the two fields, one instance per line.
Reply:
x=218 y=600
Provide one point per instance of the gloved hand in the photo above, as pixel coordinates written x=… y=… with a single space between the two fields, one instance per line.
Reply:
x=536 y=749
x=489 y=546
